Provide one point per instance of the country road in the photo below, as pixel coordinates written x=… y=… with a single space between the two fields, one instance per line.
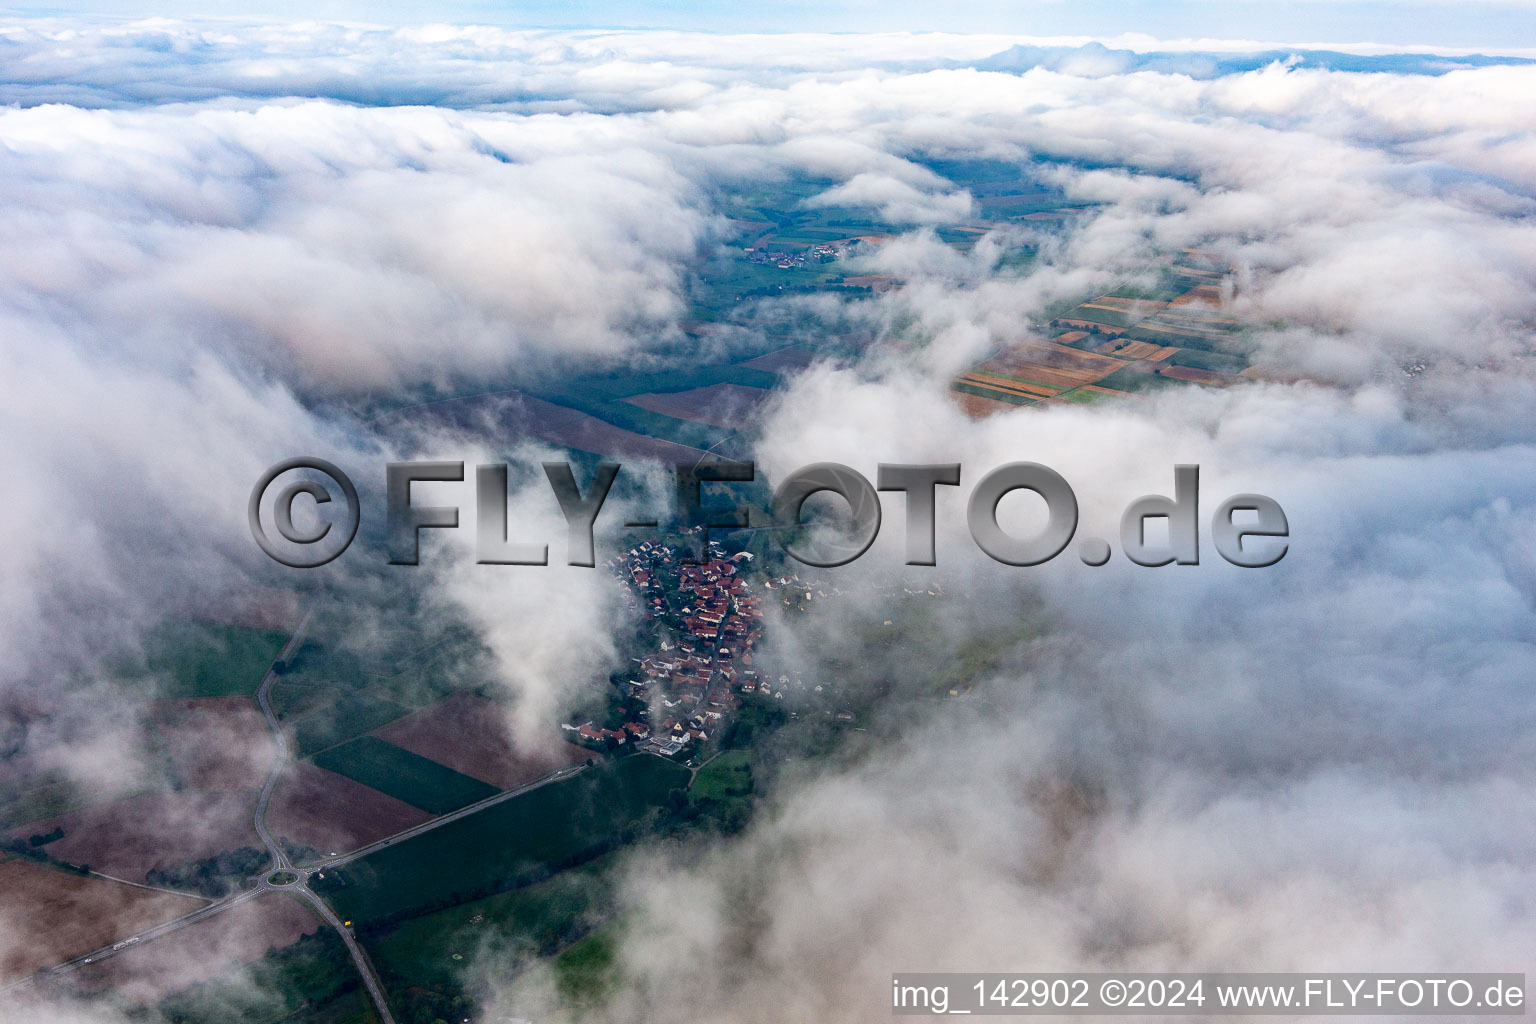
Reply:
x=280 y=762
x=559 y=775
x=281 y=862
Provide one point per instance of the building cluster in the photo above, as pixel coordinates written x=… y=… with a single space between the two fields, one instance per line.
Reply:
x=789 y=260
x=707 y=623
x=821 y=252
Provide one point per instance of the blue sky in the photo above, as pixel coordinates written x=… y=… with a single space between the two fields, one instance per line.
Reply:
x=1484 y=24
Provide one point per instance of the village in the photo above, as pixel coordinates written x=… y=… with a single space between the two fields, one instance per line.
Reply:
x=706 y=622
x=811 y=255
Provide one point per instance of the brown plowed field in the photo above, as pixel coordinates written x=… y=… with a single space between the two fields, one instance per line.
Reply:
x=978 y=407
x=243 y=934
x=216 y=743
x=126 y=838
x=469 y=734
x=512 y=414
x=50 y=916
x=333 y=814
x=1017 y=387
x=1145 y=350
x=782 y=359
x=1053 y=364
x=1201 y=376
x=719 y=405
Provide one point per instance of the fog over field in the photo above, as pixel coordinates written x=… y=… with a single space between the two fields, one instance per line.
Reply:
x=224 y=245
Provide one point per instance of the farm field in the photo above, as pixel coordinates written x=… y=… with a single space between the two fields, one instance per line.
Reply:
x=780 y=360
x=321 y=662
x=1012 y=385
x=469 y=734
x=268 y=608
x=30 y=791
x=215 y=743
x=205 y=659
x=1137 y=377
x=874 y=282
x=524 y=415
x=408 y=777
x=1119 y=343
x=979 y=403
x=331 y=813
x=602 y=388
x=1114 y=311
x=293 y=699
x=1193 y=319
x=1052 y=365
x=1144 y=350
x=534 y=920
x=1199 y=376
x=126 y=838
x=612 y=398
x=53 y=915
x=721 y=405
x=727 y=776
x=350 y=714
x=389 y=656
x=312 y=981
x=1000 y=398
x=488 y=851
x=200 y=952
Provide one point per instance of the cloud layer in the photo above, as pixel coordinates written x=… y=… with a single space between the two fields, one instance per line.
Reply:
x=222 y=246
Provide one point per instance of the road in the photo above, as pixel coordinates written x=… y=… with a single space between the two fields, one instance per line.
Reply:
x=158 y=930
x=280 y=860
x=463 y=812
x=280 y=762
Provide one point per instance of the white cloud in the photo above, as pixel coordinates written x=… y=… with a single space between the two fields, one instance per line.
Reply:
x=1322 y=764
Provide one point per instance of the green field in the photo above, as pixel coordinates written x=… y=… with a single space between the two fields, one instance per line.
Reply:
x=493 y=850
x=38 y=795
x=205 y=659
x=598 y=389
x=1107 y=317
x=724 y=777
x=403 y=775
x=586 y=972
x=350 y=714
x=312 y=981
x=294 y=700
x=1142 y=332
x=386 y=649
x=1222 y=361
x=1083 y=397
x=1133 y=379
x=655 y=424
x=999 y=396
x=602 y=396
x=536 y=920
x=1022 y=380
